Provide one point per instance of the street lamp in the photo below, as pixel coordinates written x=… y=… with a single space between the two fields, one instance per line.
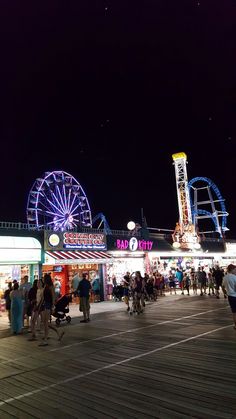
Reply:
x=131 y=225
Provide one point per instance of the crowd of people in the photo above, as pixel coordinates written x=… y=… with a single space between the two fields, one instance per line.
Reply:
x=157 y=284
x=135 y=289
x=30 y=305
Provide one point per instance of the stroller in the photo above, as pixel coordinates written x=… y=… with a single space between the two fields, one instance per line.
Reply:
x=118 y=292
x=62 y=308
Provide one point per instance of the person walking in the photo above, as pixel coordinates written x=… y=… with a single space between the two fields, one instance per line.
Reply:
x=24 y=289
x=7 y=299
x=211 y=283
x=126 y=285
x=32 y=298
x=36 y=310
x=194 y=283
x=46 y=307
x=229 y=284
x=137 y=286
x=16 y=310
x=172 y=283
x=186 y=281
x=180 y=276
x=201 y=279
x=84 y=288
x=218 y=275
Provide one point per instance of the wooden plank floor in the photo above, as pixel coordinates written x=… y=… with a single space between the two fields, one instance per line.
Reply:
x=176 y=360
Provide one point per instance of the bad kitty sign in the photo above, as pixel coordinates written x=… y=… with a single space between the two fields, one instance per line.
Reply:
x=134 y=244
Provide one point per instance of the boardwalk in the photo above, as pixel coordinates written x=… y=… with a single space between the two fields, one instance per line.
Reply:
x=177 y=360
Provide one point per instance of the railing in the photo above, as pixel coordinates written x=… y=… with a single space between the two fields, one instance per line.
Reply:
x=34 y=227
x=26 y=226
x=124 y=233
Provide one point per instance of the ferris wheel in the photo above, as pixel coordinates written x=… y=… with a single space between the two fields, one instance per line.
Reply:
x=58 y=201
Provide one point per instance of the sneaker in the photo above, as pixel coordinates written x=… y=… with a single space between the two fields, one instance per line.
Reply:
x=43 y=343
x=32 y=339
x=83 y=321
x=88 y=320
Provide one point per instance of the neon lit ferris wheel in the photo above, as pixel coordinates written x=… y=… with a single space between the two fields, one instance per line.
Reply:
x=58 y=201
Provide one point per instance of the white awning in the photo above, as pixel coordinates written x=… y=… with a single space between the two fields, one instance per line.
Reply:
x=19 y=250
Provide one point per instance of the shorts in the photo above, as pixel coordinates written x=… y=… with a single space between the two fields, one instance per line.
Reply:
x=126 y=292
x=232 y=303
x=48 y=306
x=172 y=284
x=96 y=292
x=84 y=304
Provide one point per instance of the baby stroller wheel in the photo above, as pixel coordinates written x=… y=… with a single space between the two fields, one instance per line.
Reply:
x=58 y=321
x=68 y=319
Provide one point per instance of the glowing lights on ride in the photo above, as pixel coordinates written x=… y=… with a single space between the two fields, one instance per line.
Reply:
x=185 y=236
x=58 y=201
x=190 y=246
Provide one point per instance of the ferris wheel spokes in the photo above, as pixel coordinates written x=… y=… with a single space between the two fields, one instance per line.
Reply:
x=57 y=200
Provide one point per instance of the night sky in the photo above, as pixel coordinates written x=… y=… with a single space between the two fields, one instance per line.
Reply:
x=107 y=91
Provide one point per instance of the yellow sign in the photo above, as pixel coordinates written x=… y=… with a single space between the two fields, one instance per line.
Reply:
x=177 y=156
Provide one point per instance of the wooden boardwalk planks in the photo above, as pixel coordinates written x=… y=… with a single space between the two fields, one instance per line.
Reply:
x=122 y=366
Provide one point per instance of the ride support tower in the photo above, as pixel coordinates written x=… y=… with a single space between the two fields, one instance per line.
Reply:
x=184 y=235
x=185 y=213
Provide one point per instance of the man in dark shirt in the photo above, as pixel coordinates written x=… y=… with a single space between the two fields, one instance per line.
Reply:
x=84 y=288
x=201 y=278
x=218 y=275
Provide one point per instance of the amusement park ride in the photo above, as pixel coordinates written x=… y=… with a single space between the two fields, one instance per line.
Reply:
x=57 y=201
x=187 y=234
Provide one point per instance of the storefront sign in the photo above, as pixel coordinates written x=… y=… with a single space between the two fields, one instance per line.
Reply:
x=84 y=241
x=69 y=240
x=134 y=244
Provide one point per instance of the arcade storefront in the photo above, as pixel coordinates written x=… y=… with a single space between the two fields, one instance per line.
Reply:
x=130 y=254
x=19 y=256
x=211 y=252
x=70 y=254
x=157 y=254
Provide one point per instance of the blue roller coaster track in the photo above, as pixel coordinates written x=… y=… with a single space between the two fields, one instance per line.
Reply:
x=100 y=216
x=200 y=212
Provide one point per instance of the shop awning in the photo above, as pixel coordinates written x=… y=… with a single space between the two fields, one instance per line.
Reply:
x=74 y=256
x=19 y=250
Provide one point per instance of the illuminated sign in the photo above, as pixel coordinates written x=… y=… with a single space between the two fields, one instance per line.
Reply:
x=84 y=241
x=54 y=240
x=71 y=240
x=134 y=244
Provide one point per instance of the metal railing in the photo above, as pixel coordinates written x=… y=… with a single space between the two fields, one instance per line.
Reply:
x=33 y=227
x=25 y=226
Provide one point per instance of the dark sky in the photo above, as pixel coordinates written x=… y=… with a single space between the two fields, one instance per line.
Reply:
x=107 y=91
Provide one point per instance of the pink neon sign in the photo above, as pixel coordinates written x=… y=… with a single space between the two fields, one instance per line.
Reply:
x=134 y=244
